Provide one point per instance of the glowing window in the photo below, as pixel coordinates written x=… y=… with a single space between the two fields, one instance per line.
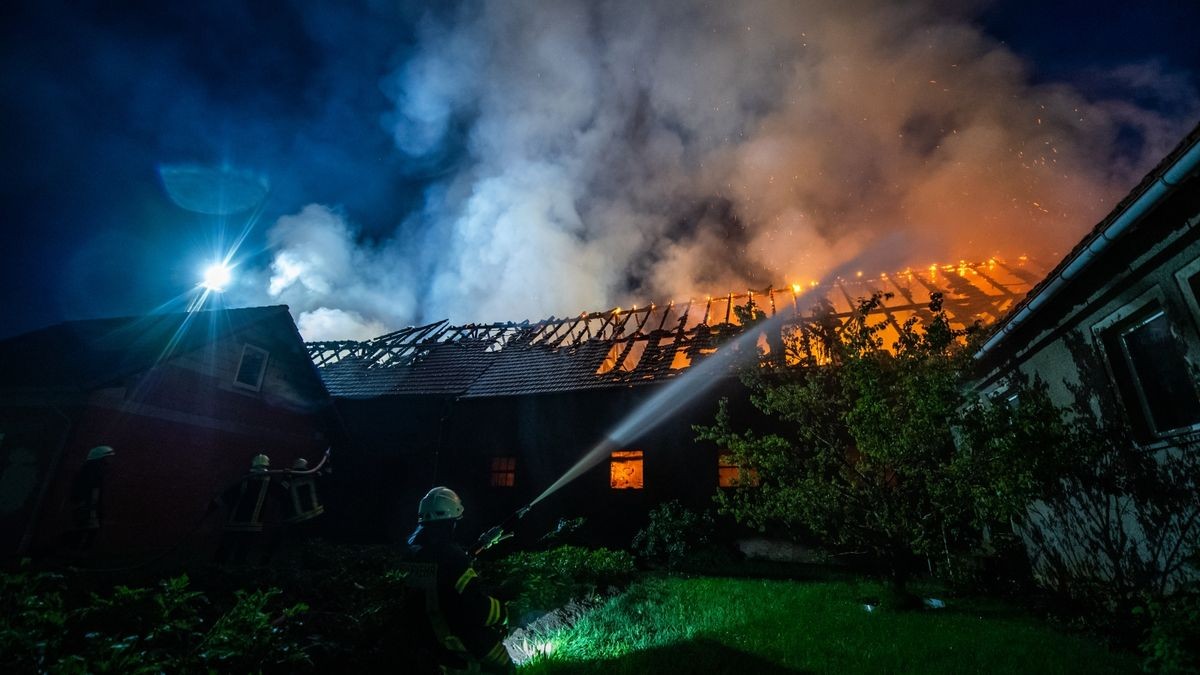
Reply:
x=625 y=470
x=729 y=473
x=504 y=471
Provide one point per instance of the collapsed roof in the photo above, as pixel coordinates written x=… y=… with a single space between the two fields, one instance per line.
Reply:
x=639 y=345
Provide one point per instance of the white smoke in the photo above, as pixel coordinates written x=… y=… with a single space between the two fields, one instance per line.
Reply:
x=621 y=152
x=337 y=286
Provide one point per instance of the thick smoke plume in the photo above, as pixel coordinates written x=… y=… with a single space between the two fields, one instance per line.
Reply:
x=598 y=154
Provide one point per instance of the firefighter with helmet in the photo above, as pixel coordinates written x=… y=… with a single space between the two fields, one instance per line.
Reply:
x=468 y=623
x=299 y=504
x=247 y=500
x=87 y=497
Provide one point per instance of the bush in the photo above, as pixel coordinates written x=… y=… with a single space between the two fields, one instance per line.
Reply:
x=1172 y=644
x=543 y=580
x=673 y=535
x=168 y=628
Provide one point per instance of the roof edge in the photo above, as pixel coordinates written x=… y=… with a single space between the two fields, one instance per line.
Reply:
x=1159 y=184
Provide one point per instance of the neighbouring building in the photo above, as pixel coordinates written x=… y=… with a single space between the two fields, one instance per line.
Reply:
x=185 y=399
x=500 y=411
x=1114 y=330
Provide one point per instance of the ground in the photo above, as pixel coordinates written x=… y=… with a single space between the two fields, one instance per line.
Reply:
x=720 y=625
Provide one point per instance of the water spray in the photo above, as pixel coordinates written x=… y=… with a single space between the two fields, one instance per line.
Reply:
x=650 y=414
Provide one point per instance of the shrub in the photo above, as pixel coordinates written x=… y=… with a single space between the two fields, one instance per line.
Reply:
x=168 y=628
x=673 y=534
x=32 y=619
x=544 y=580
x=1172 y=643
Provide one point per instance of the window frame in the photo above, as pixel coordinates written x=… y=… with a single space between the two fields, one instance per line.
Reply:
x=627 y=455
x=1122 y=321
x=751 y=477
x=1183 y=278
x=500 y=472
x=262 y=369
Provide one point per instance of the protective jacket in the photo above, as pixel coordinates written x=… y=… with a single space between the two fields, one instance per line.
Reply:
x=87 y=494
x=465 y=619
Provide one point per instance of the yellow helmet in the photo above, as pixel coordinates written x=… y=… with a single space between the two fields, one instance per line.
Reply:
x=441 y=503
x=100 y=452
x=260 y=463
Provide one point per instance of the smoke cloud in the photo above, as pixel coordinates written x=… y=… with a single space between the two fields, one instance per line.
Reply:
x=600 y=154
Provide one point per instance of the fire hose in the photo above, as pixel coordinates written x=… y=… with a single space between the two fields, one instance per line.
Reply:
x=500 y=532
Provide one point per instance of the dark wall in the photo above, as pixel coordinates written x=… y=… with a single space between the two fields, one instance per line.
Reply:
x=402 y=446
x=32 y=443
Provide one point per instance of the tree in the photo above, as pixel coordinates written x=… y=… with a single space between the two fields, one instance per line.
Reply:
x=860 y=446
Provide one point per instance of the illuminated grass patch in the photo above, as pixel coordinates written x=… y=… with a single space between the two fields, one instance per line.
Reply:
x=716 y=625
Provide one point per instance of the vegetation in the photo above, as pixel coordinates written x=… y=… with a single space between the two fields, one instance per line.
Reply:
x=167 y=628
x=715 y=625
x=540 y=581
x=674 y=534
x=860 y=450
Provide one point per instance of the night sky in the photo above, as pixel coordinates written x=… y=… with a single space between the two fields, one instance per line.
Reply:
x=312 y=96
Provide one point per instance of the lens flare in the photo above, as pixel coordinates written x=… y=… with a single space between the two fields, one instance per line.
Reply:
x=216 y=277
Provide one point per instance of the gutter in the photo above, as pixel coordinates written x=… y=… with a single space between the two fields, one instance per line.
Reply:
x=1165 y=184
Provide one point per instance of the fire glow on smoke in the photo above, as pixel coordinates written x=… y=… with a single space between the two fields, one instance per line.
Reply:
x=592 y=155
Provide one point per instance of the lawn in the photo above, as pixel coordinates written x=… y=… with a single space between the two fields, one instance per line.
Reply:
x=722 y=625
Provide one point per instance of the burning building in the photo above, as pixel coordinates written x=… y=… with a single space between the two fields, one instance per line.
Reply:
x=499 y=411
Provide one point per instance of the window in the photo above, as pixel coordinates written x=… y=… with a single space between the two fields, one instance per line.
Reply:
x=1152 y=374
x=251 y=368
x=625 y=470
x=1188 y=279
x=729 y=473
x=504 y=471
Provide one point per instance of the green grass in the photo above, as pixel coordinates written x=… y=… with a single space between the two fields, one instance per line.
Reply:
x=746 y=626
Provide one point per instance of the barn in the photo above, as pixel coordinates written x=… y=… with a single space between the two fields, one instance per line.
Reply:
x=500 y=411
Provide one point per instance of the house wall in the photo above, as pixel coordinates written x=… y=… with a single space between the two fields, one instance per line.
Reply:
x=1064 y=346
x=182 y=432
x=33 y=438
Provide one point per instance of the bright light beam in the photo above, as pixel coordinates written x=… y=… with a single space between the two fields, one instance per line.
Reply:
x=216 y=277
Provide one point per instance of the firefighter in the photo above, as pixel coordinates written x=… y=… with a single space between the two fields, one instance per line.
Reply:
x=468 y=623
x=299 y=505
x=247 y=500
x=87 y=496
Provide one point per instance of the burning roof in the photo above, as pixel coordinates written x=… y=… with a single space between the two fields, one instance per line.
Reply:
x=636 y=345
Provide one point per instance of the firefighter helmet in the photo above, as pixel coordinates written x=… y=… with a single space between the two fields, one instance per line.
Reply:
x=440 y=504
x=260 y=462
x=100 y=452
x=300 y=464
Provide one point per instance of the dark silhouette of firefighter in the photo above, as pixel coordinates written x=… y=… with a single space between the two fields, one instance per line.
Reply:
x=467 y=622
x=247 y=502
x=87 y=498
x=299 y=504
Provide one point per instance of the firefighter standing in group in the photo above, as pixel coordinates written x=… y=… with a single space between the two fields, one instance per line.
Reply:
x=299 y=505
x=247 y=500
x=87 y=497
x=468 y=622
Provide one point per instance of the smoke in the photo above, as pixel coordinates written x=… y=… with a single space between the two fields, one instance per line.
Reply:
x=339 y=287
x=595 y=154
